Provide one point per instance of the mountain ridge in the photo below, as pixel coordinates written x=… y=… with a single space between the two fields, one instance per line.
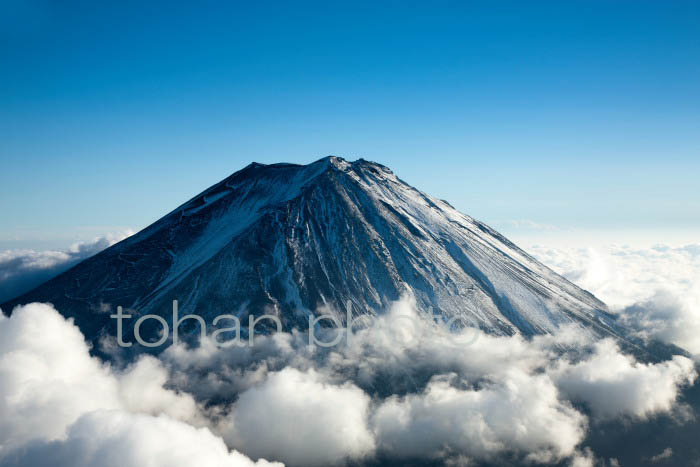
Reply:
x=290 y=239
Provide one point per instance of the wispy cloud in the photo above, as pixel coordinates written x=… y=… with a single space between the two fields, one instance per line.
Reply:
x=524 y=224
x=22 y=270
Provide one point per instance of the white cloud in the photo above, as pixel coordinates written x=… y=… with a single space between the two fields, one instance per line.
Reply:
x=120 y=439
x=664 y=455
x=614 y=384
x=301 y=419
x=403 y=388
x=142 y=389
x=655 y=291
x=584 y=459
x=47 y=378
x=58 y=401
x=436 y=394
x=667 y=316
x=520 y=414
x=22 y=270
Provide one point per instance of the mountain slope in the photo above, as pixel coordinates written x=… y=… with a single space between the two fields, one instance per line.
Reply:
x=289 y=239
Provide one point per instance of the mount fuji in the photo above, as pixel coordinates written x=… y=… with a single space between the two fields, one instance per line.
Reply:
x=294 y=239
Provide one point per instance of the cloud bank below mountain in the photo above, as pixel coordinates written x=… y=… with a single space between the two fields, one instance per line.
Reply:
x=22 y=270
x=403 y=389
x=61 y=406
x=655 y=291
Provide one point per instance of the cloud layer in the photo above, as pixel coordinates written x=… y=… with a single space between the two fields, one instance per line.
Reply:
x=59 y=403
x=402 y=389
x=120 y=439
x=405 y=388
x=655 y=291
x=522 y=413
x=22 y=270
x=328 y=421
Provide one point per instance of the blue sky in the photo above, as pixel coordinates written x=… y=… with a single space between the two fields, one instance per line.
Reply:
x=542 y=116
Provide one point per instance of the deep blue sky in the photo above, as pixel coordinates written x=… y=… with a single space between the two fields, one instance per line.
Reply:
x=578 y=115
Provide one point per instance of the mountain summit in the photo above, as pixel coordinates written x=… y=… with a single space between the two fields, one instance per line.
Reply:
x=292 y=239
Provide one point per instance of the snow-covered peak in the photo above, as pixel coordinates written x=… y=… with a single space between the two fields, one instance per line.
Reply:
x=297 y=238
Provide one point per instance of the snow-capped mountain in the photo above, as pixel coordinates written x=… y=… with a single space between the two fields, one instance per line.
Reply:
x=293 y=239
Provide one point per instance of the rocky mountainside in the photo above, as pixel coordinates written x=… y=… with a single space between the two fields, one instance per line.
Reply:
x=295 y=239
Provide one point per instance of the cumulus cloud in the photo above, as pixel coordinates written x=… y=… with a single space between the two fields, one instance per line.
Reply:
x=47 y=378
x=119 y=439
x=670 y=317
x=394 y=353
x=301 y=419
x=655 y=291
x=614 y=384
x=142 y=389
x=586 y=458
x=22 y=270
x=457 y=397
x=56 y=400
x=522 y=413
x=403 y=387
